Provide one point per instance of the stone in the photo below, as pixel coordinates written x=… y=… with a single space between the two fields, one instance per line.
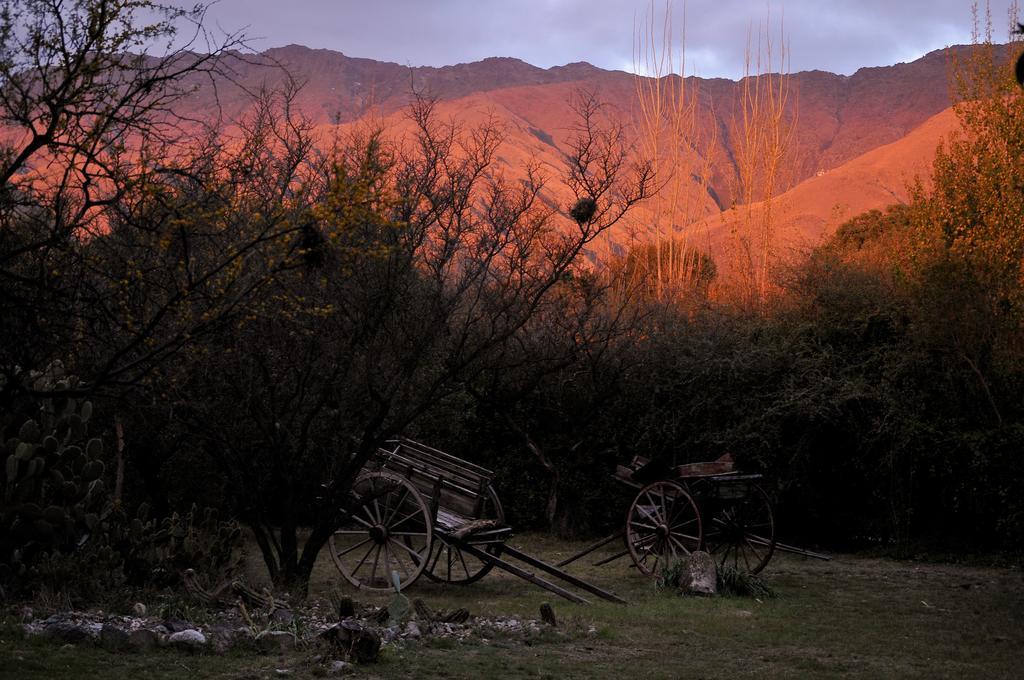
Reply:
x=67 y=632
x=177 y=625
x=283 y=616
x=340 y=668
x=227 y=636
x=139 y=609
x=114 y=638
x=702 y=574
x=412 y=630
x=143 y=639
x=275 y=641
x=190 y=639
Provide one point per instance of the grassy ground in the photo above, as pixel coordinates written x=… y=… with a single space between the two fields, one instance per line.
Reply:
x=853 y=617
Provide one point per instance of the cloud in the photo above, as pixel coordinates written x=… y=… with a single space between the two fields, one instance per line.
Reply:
x=836 y=35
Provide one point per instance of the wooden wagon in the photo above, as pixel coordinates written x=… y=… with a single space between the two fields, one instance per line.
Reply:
x=709 y=506
x=417 y=511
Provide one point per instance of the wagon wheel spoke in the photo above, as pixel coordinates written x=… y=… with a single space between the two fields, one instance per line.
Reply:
x=406 y=548
x=460 y=568
x=645 y=526
x=440 y=549
x=753 y=549
x=680 y=544
x=387 y=502
x=462 y=559
x=661 y=524
x=653 y=505
x=359 y=520
x=353 y=547
x=398 y=506
x=362 y=561
x=664 y=507
x=685 y=524
x=406 y=518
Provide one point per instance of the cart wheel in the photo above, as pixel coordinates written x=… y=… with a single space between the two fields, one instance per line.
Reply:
x=742 y=532
x=389 y=530
x=448 y=564
x=663 y=525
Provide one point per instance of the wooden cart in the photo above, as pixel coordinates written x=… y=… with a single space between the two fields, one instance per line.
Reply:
x=683 y=508
x=420 y=511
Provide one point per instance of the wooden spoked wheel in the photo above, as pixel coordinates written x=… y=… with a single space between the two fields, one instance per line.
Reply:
x=389 y=530
x=741 y=533
x=663 y=526
x=449 y=564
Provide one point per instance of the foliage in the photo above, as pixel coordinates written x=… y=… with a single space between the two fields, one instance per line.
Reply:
x=740 y=583
x=54 y=494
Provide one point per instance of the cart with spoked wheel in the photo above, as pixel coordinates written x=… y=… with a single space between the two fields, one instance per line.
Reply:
x=418 y=511
x=707 y=506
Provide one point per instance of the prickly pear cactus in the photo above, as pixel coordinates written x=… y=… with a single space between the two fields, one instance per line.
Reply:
x=52 y=476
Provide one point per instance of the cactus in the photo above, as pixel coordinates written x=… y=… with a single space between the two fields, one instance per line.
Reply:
x=51 y=463
x=57 y=523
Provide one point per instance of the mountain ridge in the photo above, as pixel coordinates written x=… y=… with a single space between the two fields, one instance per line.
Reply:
x=838 y=118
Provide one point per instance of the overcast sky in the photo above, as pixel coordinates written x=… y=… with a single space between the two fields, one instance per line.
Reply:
x=833 y=35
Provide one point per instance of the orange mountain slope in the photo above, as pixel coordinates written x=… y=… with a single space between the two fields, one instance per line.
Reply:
x=812 y=210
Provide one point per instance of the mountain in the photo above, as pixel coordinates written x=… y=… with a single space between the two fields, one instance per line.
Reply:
x=813 y=209
x=838 y=121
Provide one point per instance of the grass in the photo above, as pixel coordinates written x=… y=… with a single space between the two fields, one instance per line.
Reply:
x=853 y=617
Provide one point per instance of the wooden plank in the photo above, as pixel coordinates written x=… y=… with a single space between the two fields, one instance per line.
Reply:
x=563 y=575
x=589 y=549
x=451 y=495
x=398 y=461
x=612 y=558
x=440 y=457
x=520 y=572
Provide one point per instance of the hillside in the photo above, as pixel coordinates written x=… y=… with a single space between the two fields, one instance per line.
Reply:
x=837 y=119
x=812 y=210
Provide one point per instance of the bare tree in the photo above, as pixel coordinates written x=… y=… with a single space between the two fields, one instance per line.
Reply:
x=668 y=125
x=762 y=127
x=431 y=268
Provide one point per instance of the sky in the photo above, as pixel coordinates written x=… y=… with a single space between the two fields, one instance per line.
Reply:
x=831 y=35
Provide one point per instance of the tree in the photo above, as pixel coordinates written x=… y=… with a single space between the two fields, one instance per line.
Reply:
x=762 y=127
x=105 y=177
x=424 y=268
x=668 y=123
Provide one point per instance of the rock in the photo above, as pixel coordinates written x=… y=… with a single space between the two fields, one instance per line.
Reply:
x=67 y=632
x=225 y=636
x=177 y=625
x=190 y=639
x=547 y=614
x=139 y=609
x=702 y=574
x=340 y=668
x=113 y=638
x=412 y=630
x=356 y=642
x=143 y=639
x=275 y=641
x=282 y=616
